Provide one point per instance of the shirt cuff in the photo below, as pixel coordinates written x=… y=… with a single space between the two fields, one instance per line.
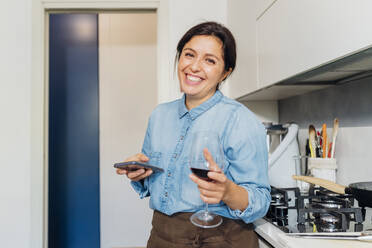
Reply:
x=141 y=188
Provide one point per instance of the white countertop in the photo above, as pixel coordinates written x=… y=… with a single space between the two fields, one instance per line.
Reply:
x=278 y=239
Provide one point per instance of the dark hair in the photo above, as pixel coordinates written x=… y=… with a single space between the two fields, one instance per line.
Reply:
x=217 y=30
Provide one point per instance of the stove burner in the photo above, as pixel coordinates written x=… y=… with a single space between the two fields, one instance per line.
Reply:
x=277 y=198
x=328 y=223
x=320 y=203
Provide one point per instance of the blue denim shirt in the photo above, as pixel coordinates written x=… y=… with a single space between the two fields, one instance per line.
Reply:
x=167 y=144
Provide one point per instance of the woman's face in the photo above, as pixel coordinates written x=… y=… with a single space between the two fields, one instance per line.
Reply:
x=201 y=67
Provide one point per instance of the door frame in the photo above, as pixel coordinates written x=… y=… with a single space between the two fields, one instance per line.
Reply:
x=40 y=88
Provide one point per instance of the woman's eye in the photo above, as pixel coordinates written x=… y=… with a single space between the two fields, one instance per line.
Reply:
x=211 y=61
x=189 y=55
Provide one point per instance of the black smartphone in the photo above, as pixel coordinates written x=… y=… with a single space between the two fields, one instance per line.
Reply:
x=134 y=165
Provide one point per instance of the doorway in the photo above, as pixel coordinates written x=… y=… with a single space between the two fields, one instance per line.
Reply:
x=102 y=88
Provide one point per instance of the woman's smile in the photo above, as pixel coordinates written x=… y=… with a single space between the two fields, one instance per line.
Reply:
x=193 y=79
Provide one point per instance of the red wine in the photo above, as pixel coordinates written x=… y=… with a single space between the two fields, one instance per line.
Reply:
x=202 y=173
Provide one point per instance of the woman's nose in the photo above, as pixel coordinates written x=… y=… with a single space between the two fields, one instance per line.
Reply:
x=195 y=66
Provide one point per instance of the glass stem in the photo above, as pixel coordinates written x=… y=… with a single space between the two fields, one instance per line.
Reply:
x=206 y=207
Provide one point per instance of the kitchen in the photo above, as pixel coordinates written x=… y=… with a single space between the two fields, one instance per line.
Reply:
x=291 y=39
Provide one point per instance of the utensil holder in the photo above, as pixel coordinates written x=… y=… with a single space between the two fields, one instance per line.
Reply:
x=301 y=170
x=324 y=168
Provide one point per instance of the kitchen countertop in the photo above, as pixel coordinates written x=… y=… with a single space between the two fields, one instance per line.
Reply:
x=278 y=239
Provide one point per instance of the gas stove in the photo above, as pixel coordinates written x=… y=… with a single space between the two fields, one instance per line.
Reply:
x=319 y=210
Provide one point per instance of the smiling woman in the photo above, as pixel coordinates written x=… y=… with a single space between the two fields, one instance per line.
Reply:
x=240 y=193
x=201 y=68
x=205 y=53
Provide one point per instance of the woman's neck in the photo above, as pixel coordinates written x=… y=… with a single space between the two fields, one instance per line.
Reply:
x=194 y=101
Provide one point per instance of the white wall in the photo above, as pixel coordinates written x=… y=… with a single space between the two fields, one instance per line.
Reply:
x=266 y=111
x=22 y=90
x=128 y=94
x=351 y=104
x=15 y=127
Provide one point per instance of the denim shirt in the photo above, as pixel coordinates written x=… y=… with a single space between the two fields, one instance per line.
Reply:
x=167 y=144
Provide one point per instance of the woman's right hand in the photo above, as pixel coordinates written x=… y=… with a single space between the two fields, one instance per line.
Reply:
x=138 y=174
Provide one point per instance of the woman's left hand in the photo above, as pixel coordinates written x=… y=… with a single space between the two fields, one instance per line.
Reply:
x=216 y=190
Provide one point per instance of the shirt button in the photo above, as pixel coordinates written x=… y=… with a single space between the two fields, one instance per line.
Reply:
x=175 y=156
x=166 y=194
x=181 y=137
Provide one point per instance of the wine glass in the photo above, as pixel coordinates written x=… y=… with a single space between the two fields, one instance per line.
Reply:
x=200 y=167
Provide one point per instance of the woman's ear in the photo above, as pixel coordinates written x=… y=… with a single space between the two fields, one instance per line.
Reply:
x=226 y=74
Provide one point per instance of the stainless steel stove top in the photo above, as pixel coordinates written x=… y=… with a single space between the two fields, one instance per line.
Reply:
x=317 y=211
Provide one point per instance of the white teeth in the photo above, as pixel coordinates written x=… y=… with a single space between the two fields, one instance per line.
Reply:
x=194 y=79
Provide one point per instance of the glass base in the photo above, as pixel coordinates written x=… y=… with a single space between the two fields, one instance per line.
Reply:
x=205 y=219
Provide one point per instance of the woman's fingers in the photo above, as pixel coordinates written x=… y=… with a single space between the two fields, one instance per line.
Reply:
x=217 y=176
x=212 y=165
x=210 y=200
x=203 y=184
x=121 y=172
x=139 y=174
x=140 y=157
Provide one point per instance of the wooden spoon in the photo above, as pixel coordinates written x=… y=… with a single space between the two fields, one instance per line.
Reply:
x=337 y=188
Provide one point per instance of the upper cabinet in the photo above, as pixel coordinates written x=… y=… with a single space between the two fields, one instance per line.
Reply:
x=242 y=16
x=242 y=23
x=296 y=36
x=285 y=40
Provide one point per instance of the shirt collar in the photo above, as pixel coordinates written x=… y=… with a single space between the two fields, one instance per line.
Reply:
x=195 y=112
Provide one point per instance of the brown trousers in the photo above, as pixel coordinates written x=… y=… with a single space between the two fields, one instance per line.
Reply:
x=177 y=231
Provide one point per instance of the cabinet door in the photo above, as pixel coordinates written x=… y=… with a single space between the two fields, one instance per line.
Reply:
x=295 y=36
x=241 y=19
x=242 y=23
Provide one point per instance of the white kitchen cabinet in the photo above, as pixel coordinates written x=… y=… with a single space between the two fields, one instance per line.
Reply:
x=242 y=16
x=296 y=36
x=241 y=19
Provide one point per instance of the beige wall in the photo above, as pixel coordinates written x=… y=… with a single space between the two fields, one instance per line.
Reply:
x=128 y=94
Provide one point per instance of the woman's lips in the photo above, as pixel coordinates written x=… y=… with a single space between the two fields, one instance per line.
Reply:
x=193 y=80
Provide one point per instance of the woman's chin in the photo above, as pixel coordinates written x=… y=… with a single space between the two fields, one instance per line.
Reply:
x=189 y=90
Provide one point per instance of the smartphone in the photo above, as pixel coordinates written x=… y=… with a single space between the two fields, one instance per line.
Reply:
x=134 y=165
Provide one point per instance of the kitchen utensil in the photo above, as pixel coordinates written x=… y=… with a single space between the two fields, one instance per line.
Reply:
x=334 y=135
x=361 y=191
x=324 y=140
x=318 y=146
x=312 y=143
x=301 y=169
x=361 y=236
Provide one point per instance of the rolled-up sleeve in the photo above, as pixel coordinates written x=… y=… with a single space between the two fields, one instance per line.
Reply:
x=246 y=152
x=142 y=187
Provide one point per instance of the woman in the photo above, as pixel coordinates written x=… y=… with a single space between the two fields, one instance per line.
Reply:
x=206 y=56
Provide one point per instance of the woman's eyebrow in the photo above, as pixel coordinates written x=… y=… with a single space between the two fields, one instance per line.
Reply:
x=187 y=48
x=212 y=55
x=207 y=54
